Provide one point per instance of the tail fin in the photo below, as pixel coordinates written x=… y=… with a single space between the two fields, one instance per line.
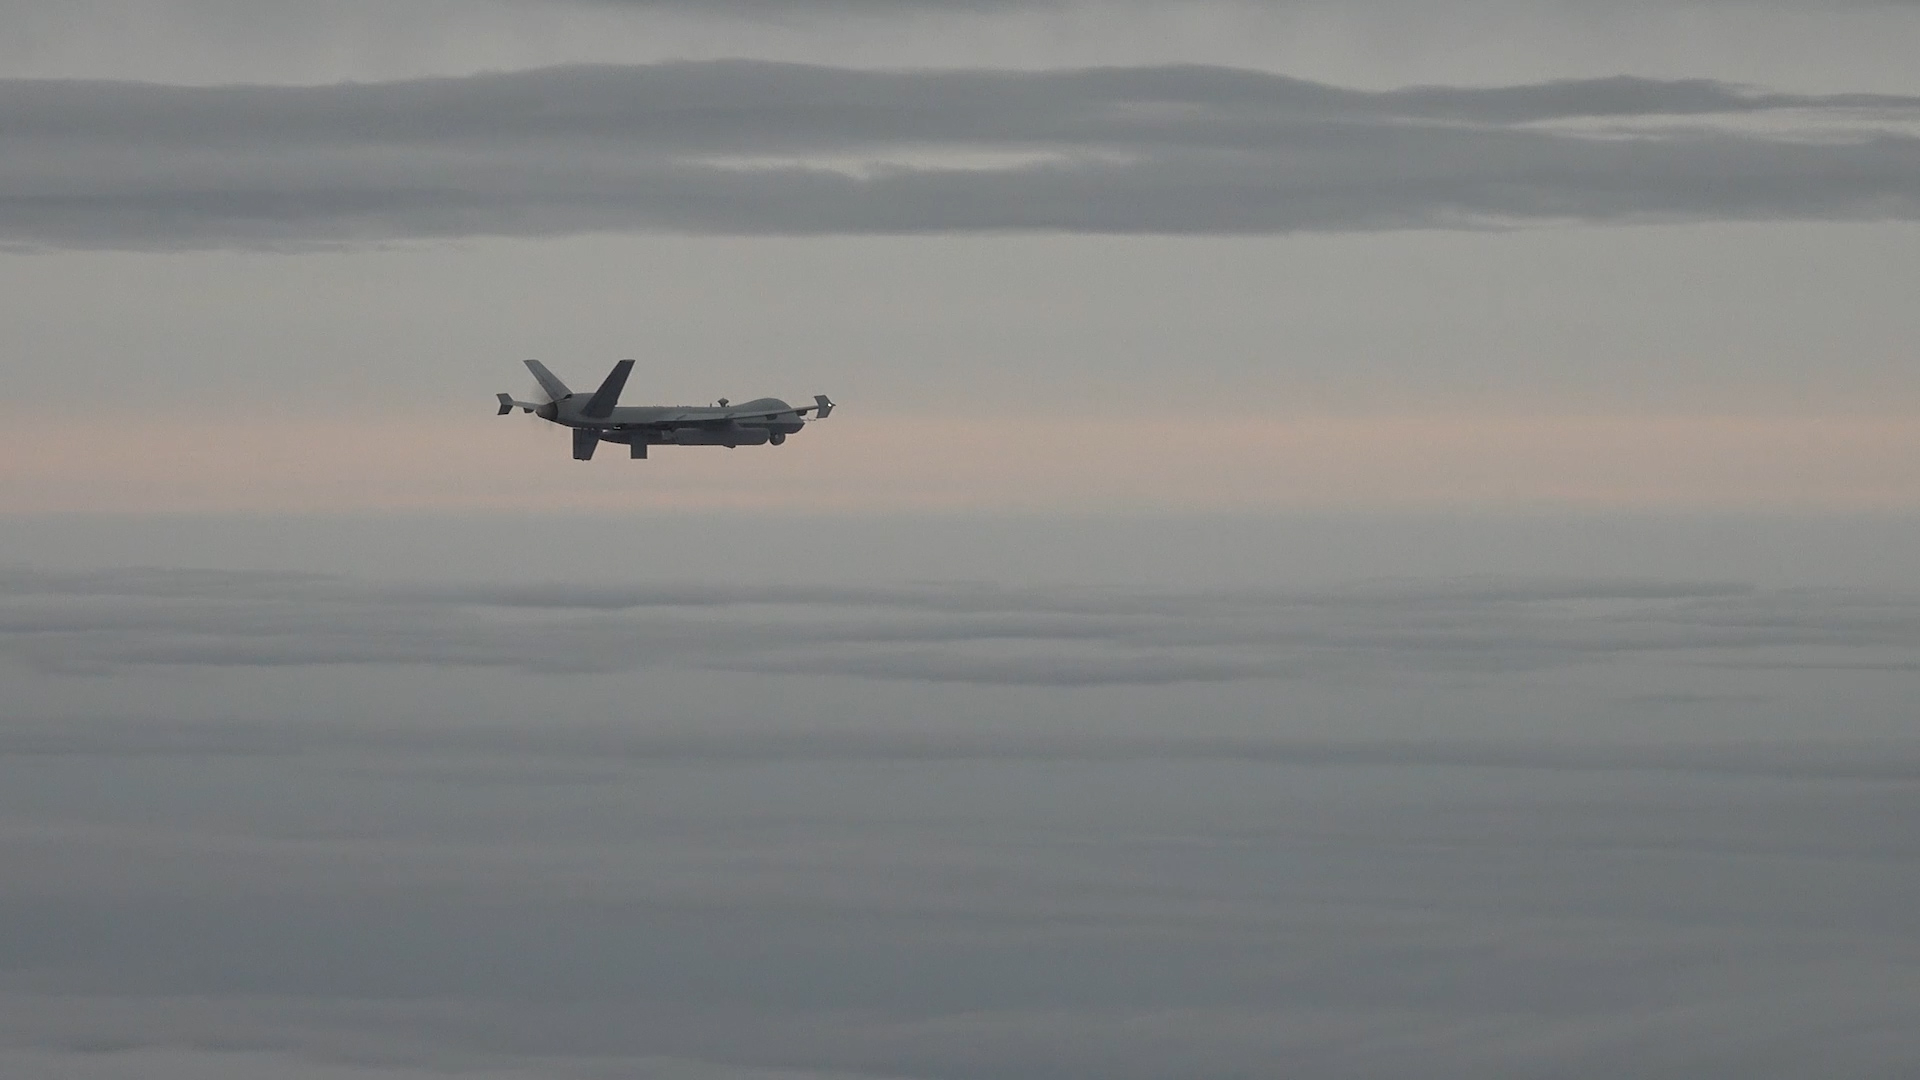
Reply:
x=548 y=380
x=600 y=405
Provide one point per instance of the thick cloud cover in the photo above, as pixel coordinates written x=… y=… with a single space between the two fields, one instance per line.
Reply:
x=967 y=634
x=980 y=832
x=751 y=147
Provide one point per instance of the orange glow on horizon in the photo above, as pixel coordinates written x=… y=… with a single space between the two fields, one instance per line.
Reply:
x=161 y=463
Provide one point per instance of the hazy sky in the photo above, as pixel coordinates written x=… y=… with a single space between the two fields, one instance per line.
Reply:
x=1361 y=539
x=1381 y=234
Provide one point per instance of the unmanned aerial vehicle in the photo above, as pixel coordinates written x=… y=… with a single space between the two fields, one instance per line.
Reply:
x=599 y=417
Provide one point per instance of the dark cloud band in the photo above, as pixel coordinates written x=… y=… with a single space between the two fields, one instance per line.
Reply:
x=760 y=148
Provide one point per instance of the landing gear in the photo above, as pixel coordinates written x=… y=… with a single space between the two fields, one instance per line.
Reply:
x=777 y=438
x=637 y=449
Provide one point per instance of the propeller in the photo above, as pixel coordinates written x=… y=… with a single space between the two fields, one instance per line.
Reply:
x=538 y=394
x=537 y=403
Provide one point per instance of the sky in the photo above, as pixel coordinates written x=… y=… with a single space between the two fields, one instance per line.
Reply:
x=1363 y=539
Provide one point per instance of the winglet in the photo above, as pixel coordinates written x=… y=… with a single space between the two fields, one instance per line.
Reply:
x=506 y=404
x=821 y=406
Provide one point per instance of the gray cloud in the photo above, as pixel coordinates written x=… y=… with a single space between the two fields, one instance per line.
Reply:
x=588 y=743
x=794 y=8
x=806 y=9
x=885 y=879
x=751 y=147
x=97 y=622
x=444 y=906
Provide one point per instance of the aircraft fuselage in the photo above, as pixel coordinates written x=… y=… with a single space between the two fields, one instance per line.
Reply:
x=597 y=417
x=766 y=416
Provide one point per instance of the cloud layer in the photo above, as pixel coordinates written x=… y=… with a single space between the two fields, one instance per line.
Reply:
x=743 y=147
x=105 y=621
x=945 y=831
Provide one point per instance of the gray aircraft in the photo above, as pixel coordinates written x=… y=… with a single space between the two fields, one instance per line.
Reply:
x=599 y=417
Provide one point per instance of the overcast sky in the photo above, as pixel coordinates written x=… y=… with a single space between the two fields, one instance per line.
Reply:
x=1360 y=539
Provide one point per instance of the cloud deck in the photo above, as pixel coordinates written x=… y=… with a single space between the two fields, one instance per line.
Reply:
x=744 y=147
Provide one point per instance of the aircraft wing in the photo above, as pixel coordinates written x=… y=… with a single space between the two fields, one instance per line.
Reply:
x=714 y=420
x=821 y=406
